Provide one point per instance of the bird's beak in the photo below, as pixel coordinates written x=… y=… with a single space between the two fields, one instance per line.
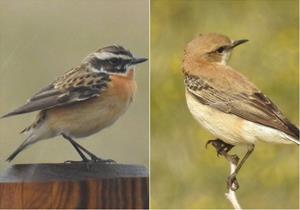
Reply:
x=138 y=60
x=238 y=42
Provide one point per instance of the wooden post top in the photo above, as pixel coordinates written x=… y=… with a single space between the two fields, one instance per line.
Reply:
x=69 y=172
x=74 y=186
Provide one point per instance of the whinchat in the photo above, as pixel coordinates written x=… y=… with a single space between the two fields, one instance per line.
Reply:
x=227 y=104
x=85 y=100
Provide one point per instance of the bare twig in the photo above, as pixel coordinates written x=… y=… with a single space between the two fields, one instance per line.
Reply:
x=230 y=195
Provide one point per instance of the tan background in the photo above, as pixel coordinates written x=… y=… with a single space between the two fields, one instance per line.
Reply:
x=40 y=40
x=183 y=173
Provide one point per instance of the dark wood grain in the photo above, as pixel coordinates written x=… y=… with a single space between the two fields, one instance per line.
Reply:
x=73 y=186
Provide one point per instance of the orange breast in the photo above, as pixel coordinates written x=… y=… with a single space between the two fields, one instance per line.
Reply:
x=87 y=117
x=123 y=86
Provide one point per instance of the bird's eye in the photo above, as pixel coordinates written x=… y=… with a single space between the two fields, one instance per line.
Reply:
x=221 y=49
x=114 y=61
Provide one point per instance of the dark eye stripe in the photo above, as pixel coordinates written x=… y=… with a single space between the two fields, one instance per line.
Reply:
x=113 y=65
x=96 y=63
x=115 y=61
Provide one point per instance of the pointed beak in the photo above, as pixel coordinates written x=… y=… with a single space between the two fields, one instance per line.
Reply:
x=138 y=60
x=238 y=42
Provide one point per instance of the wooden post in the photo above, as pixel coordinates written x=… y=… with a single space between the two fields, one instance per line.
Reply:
x=74 y=185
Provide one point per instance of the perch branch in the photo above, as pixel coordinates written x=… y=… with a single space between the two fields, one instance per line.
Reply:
x=230 y=195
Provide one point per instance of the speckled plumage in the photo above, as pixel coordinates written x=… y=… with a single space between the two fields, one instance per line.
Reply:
x=85 y=99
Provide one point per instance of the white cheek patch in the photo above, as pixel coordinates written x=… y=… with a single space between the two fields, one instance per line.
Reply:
x=130 y=67
x=225 y=57
x=97 y=70
x=108 y=55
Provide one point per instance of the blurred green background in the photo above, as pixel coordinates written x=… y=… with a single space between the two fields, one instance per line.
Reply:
x=40 y=40
x=183 y=173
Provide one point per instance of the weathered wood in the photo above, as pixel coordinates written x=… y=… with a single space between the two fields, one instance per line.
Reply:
x=76 y=185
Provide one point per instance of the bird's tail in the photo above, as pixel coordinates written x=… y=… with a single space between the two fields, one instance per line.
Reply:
x=28 y=141
x=293 y=139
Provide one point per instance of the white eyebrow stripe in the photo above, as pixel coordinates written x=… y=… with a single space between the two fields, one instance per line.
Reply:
x=102 y=70
x=107 y=55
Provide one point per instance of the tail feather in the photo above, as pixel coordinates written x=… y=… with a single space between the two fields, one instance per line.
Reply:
x=293 y=139
x=28 y=141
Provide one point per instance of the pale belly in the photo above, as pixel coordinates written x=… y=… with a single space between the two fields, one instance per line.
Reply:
x=232 y=129
x=87 y=117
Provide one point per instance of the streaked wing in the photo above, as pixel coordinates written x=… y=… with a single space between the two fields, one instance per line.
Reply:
x=255 y=107
x=76 y=85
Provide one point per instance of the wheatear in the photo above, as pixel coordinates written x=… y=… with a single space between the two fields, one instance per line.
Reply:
x=227 y=104
x=86 y=99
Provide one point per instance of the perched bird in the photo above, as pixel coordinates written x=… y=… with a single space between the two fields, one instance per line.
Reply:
x=83 y=101
x=227 y=104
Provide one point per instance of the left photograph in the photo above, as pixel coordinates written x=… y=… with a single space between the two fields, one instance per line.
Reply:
x=74 y=111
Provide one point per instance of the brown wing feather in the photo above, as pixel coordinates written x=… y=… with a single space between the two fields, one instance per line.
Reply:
x=76 y=85
x=255 y=107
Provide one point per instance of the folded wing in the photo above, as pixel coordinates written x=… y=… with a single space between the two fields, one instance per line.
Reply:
x=255 y=107
x=72 y=87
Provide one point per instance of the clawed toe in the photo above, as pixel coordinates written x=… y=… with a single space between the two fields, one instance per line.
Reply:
x=221 y=147
x=232 y=182
x=110 y=161
x=104 y=161
x=209 y=142
x=93 y=159
x=76 y=161
x=234 y=159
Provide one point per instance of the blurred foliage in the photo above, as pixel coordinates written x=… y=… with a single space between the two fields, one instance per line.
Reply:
x=183 y=173
x=40 y=40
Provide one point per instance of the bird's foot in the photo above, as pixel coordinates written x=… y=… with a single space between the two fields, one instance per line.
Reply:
x=234 y=159
x=104 y=161
x=221 y=147
x=93 y=160
x=232 y=182
x=76 y=161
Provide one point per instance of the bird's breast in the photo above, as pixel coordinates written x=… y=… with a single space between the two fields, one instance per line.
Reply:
x=224 y=126
x=88 y=117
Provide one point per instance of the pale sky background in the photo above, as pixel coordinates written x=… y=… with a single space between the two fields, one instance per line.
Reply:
x=40 y=40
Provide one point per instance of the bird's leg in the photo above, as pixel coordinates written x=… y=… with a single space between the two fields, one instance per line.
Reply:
x=81 y=149
x=223 y=148
x=84 y=158
x=231 y=179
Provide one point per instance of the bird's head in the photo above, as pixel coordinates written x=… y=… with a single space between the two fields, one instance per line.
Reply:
x=211 y=47
x=112 y=59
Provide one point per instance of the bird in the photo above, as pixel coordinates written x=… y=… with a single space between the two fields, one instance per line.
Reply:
x=83 y=101
x=227 y=104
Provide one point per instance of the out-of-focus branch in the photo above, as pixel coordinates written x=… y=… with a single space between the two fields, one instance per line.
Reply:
x=231 y=196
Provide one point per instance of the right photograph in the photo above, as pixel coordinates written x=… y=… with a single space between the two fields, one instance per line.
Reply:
x=224 y=104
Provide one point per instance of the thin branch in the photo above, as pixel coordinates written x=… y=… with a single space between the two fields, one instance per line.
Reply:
x=230 y=195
